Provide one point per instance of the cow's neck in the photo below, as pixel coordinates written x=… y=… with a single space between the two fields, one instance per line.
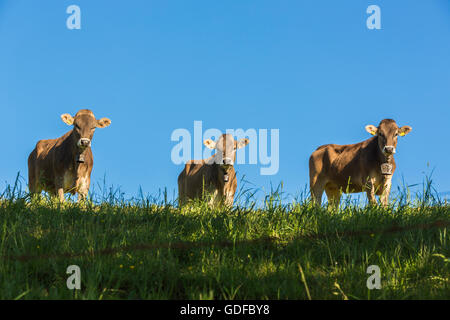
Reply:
x=376 y=154
x=223 y=176
x=78 y=156
x=384 y=163
x=382 y=158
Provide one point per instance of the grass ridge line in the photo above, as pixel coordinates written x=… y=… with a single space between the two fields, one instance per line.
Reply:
x=185 y=245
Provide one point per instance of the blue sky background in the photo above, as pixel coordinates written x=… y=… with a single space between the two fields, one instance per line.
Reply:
x=309 y=68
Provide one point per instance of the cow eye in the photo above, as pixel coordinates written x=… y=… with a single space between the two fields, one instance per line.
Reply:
x=77 y=126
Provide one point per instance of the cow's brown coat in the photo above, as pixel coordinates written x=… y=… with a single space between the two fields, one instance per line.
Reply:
x=53 y=165
x=338 y=169
x=207 y=177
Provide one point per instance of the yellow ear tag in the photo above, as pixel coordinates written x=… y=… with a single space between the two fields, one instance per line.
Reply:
x=373 y=133
x=401 y=134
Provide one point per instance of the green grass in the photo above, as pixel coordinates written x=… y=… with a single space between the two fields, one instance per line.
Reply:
x=41 y=238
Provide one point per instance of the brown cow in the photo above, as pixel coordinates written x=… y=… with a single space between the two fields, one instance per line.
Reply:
x=366 y=166
x=64 y=165
x=214 y=176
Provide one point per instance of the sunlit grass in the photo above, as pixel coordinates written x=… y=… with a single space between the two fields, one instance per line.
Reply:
x=224 y=262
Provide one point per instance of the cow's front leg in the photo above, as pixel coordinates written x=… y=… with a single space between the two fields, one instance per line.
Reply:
x=370 y=190
x=215 y=198
x=59 y=183
x=61 y=194
x=82 y=188
x=229 y=198
x=384 y=198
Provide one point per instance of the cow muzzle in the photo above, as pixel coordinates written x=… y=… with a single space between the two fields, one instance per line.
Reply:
x=389 y=150
x=227 y=162
x=84 y=143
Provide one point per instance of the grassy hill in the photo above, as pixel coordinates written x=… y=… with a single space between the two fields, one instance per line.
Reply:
x=144 y=250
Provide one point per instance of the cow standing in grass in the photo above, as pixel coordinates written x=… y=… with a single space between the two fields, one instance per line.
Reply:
x=366 y=166
x=64 y=164
x=214 y=176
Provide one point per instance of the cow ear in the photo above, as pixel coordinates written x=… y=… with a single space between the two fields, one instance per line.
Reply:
x=242 y=143
x=67 y=119
x=209 y=144
x=372 y=129
x=403 y=131
x=103 y=123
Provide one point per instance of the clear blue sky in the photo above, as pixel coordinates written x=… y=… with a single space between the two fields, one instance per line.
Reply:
x=309 y=68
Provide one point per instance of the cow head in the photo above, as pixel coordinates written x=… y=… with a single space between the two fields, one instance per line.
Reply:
x=226 y=148
x=387 y=133
x=84 y=125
